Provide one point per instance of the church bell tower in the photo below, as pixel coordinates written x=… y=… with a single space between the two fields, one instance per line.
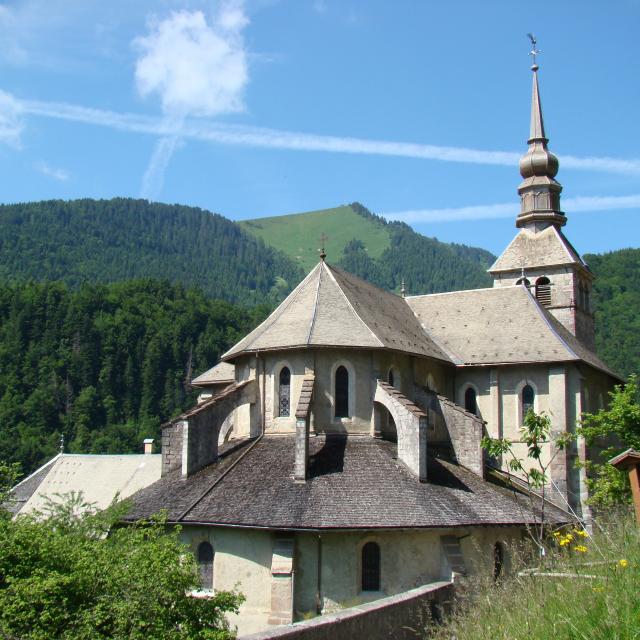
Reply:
x=540 y=257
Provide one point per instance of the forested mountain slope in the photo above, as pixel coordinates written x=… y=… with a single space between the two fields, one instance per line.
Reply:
x=104 y=364
x=383 y=252
x=617 y=305
x=113 y=240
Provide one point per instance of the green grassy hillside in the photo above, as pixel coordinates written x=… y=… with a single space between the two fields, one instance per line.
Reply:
x=298 y=235
x=385 y=253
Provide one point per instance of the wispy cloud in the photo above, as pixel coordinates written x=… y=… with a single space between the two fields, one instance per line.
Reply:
x=61 y=175
x=196 y=69
x=275 y=139
x=510 y=209
x=11 y=120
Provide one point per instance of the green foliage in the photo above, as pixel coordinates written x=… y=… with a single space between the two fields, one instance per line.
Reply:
x=9 y=474
x=616 y=299
x=64 y=577
x=584 y=591
x=614 y=430
x=298 y=235
x=91 y=241
x=104 y=365
x=536 y=434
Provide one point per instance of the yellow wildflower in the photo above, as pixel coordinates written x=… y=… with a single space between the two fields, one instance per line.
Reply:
x=623 y=563
x=569 y=537
x=598 y=589
x=582 y=533
x=564 y=542
x=581 y=548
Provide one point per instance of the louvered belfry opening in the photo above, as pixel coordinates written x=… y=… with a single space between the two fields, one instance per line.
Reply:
x=284 y=392
x=371 y=567
x=543 y=291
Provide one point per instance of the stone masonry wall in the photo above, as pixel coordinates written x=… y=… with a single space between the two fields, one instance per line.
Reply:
x=400 y=617
x=172 y=446
x=450 y=425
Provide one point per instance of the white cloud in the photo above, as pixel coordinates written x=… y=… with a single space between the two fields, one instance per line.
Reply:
x=61 y=175
x=11 y=122
x=511 y=209
x=195 y=68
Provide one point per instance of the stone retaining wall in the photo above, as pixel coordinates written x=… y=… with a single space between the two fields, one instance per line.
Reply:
x=401 y=617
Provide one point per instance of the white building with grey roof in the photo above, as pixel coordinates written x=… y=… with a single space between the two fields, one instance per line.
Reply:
x=335 y=453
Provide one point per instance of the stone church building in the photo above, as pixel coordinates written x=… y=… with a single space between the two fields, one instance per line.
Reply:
x=334 y=455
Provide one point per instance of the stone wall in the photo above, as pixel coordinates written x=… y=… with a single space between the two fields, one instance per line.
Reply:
x=400 y=616
x=450 y=425
x=172 y=446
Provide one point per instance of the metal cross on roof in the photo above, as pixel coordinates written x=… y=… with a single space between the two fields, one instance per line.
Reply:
x=323 y=253
x=534 y=52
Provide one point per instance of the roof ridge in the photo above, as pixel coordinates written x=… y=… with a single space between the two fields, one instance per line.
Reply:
x=39 y=469
x=344 y=295
x=273 y=316
x=312 y=324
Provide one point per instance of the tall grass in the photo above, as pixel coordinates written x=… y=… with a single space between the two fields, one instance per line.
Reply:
x=597 y=598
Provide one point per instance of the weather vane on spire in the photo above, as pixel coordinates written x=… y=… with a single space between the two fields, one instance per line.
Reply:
x=323 y=253
x=534 y=52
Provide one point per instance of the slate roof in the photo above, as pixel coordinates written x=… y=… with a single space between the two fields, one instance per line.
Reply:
x=544 y=249
x=98 y=477
x=222 y=373
x=332 y=308
x=354 y=483
x=500 y=325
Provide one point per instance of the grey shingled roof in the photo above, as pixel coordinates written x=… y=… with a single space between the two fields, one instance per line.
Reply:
x=354 y=483
x=544 y=249
x=501 y=325
x=223 y=372
x=332 y=308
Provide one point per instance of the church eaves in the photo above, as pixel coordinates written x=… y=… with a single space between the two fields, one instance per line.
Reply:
x=332 y=308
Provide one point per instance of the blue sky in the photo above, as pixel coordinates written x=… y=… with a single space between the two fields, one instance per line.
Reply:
x=417 y=109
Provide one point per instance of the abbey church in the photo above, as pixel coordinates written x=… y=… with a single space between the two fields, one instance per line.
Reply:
x=334 y=454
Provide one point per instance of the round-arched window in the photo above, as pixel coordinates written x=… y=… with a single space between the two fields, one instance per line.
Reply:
x=498 y=560
x=284 y=392
x=528 y=399
x=205 y=565
x=543 y=291
x=342 y=392
x=470 y=401
x=371 y=567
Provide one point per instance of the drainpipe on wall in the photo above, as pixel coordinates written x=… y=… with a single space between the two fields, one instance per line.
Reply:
x=319 y=578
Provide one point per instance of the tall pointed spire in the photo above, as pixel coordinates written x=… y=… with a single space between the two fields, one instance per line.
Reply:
x=539 y=192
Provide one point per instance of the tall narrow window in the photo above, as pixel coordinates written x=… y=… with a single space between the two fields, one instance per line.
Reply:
x=371 y=567
x=498 y=560
x=205 y=565
x=284 y=392
x=391 y=378
x=543 y=291
x=528 y=397
x=342 y=392
x=587 y=299
x=470 y=403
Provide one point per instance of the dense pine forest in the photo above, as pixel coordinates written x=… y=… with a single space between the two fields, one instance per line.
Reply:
x=104 y=364
x=121 y=239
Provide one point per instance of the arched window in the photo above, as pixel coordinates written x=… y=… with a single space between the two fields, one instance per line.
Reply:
x=342 y=392
x=205 y=565
x=284 y=392
x=470 y=403
x=524 y=281
x=528 y=398
x=391 y=377
x=498 y=560
x=371 y=567
x=543 y=291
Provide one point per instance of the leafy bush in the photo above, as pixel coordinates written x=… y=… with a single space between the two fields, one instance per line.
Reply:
x=75 y=575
